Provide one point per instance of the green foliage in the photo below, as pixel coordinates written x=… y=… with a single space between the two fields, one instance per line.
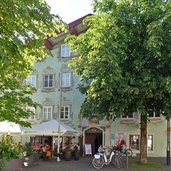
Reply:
x=9 y=149
x=28 y=150
x=67 y=145
x=23 y=27
x=126 y=52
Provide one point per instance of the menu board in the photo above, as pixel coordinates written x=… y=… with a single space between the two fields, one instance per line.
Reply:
x=88 y=149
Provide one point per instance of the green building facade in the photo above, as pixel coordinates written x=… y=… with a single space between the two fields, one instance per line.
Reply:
x=57 y=92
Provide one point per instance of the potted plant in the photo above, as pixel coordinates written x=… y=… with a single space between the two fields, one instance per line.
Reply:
x=76 y=152
x=67 y=150
x=30 y=156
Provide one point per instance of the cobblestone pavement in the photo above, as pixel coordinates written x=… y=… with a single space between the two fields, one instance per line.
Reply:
x=84 y=164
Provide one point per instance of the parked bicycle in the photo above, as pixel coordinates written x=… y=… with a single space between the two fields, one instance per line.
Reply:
x=123 y=151
x=101 y=158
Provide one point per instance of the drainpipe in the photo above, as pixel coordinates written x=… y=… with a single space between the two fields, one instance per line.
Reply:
x=168 y=141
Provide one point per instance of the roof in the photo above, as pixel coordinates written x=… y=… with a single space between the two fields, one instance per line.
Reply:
x=73 y=29
x=78 y=21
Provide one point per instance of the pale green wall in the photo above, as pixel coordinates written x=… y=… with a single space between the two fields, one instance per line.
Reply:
x=73 y=96
x=155 y=128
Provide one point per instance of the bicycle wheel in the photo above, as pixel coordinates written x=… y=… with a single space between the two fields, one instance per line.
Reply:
x=129 y=152
x=98 y=163
x=117 y=161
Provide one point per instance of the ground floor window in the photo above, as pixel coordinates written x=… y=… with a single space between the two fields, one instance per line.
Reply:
x=134 y=141
x=150 y=143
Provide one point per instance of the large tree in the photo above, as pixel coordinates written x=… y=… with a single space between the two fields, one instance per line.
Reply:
x=126 y=53
x=24 y=25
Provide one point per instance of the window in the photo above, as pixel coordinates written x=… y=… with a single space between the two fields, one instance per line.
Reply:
x=128 y=116
x=65 y=50
x=134 y=141
x=66 y=79
x=31 y=80
x=65 y=111
x=154 y=113
x=47 y=112
x=150 y=143
x=32 y=109
x=48 y=81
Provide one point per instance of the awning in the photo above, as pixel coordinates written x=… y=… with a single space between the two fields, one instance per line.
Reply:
x=10 y=127
x=50 y=128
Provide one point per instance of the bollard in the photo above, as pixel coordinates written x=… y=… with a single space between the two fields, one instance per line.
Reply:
x=126 y=160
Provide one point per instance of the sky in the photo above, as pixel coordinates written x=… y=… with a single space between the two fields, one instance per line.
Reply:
x=70 y=10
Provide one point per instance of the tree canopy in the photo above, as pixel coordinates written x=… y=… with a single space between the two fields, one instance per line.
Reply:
x=23 y=27
x=126 y=53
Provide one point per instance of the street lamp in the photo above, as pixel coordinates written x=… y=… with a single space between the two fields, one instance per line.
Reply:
x=59 y=115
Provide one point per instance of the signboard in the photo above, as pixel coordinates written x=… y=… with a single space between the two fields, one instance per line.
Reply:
x=88 y=149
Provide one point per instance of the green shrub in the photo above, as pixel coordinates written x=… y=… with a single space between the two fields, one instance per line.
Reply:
x=28 y=150
x=9 y=149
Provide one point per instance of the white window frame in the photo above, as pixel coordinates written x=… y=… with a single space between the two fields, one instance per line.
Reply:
x=150 y=142
x=66 y=79
x=65 y=50
x=135 y=146
x=154 y=114
x=31 y=79
x=48 y=81
x=47 y=112
x=32 y=109
x=65 y=113
x=127 y=117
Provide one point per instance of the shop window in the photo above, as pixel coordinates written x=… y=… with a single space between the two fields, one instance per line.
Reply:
x=134 y=141
x=150 y=143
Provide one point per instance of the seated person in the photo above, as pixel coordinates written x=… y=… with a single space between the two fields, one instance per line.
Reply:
x=47 y=146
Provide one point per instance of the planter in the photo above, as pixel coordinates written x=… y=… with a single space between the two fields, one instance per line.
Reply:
x=14 y=165
x=67 y=156
x=76 y=156
x=31 y=160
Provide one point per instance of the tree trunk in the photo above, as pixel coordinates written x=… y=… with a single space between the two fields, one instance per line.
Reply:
x=143 y=140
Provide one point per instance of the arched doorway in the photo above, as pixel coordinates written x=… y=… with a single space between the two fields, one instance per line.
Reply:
x=94 y=137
